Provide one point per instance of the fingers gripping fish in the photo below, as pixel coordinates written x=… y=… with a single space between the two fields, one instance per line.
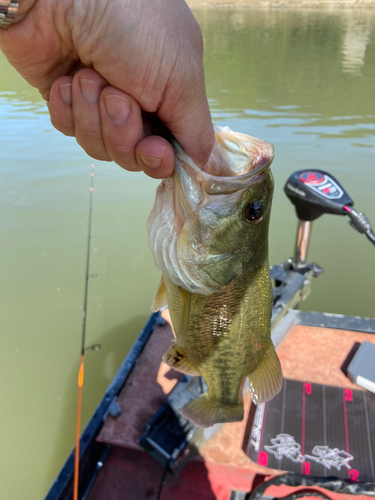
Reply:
x=208 y=233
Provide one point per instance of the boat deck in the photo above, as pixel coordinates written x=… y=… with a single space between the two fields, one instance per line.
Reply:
x=310 y=354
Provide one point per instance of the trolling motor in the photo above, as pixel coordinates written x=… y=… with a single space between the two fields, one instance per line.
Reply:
x=314 y=193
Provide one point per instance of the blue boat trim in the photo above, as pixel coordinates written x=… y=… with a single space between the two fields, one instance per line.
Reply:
x=92 y=452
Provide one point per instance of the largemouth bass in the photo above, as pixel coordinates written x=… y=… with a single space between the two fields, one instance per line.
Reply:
x=208 y=232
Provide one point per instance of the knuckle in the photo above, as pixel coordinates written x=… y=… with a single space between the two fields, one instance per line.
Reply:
x=87 y=131
x=64 y=128
x=94 y=148
x=125 y=159
x=98 y=155
x=68 y=132
x=120 y=151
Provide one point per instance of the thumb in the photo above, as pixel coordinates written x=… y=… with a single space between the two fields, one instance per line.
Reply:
x=188 y=118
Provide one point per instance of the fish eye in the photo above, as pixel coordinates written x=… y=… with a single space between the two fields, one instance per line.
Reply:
x=253 y=212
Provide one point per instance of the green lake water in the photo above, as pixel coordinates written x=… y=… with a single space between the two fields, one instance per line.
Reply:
x=303 y=80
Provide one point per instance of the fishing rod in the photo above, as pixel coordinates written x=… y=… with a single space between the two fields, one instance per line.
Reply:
x=83 y=339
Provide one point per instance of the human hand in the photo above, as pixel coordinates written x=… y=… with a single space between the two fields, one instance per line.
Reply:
x=140 y=56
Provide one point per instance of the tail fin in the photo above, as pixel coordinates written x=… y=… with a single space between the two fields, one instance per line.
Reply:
x=267 y=379
x=205 y=412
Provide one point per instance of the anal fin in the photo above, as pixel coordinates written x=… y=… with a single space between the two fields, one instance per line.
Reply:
x=176 y=358
x=267 y=379
x=206 y=412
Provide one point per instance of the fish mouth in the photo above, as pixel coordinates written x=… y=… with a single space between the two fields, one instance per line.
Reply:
x=236 y=162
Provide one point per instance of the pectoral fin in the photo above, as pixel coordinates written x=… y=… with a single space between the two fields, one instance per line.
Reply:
x=183 y=323
x=267 y=379
x=176 y=358
x=160 y=298
x=178 y=303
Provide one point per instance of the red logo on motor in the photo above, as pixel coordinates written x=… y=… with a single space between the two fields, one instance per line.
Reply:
x=322 y=184
x=311 y=177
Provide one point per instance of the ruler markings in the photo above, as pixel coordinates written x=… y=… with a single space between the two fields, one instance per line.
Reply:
x=319 y=430
x=368 y=435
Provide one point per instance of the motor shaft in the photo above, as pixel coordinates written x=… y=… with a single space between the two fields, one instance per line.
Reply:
x=302 y=243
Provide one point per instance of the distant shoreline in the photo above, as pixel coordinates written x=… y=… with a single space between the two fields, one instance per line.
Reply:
x=282 y=4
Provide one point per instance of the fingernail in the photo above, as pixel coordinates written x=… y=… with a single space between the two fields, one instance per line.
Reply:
x=118 y=108
x=90 y=91
x=151 y=161
x=65 y=90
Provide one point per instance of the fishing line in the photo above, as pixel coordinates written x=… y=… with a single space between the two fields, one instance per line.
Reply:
x=162 y=482
x=83 y=339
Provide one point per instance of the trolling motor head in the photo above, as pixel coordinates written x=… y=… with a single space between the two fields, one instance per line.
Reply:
x=314 y=193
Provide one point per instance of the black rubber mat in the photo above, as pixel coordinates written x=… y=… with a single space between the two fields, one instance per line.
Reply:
x=315 y=429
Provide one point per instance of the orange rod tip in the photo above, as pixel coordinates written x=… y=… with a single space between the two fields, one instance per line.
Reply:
x=80 y=376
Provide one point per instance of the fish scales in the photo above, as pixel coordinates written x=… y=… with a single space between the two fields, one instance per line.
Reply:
x=226 y=326
x=221 y=304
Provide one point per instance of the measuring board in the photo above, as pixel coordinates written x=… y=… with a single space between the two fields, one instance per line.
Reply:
x=315 y=429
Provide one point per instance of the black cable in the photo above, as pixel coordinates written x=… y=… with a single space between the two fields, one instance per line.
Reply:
x=330 y=483
x=371 y=236
x=360 y=223
x=304 y=493
x=162 y=482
